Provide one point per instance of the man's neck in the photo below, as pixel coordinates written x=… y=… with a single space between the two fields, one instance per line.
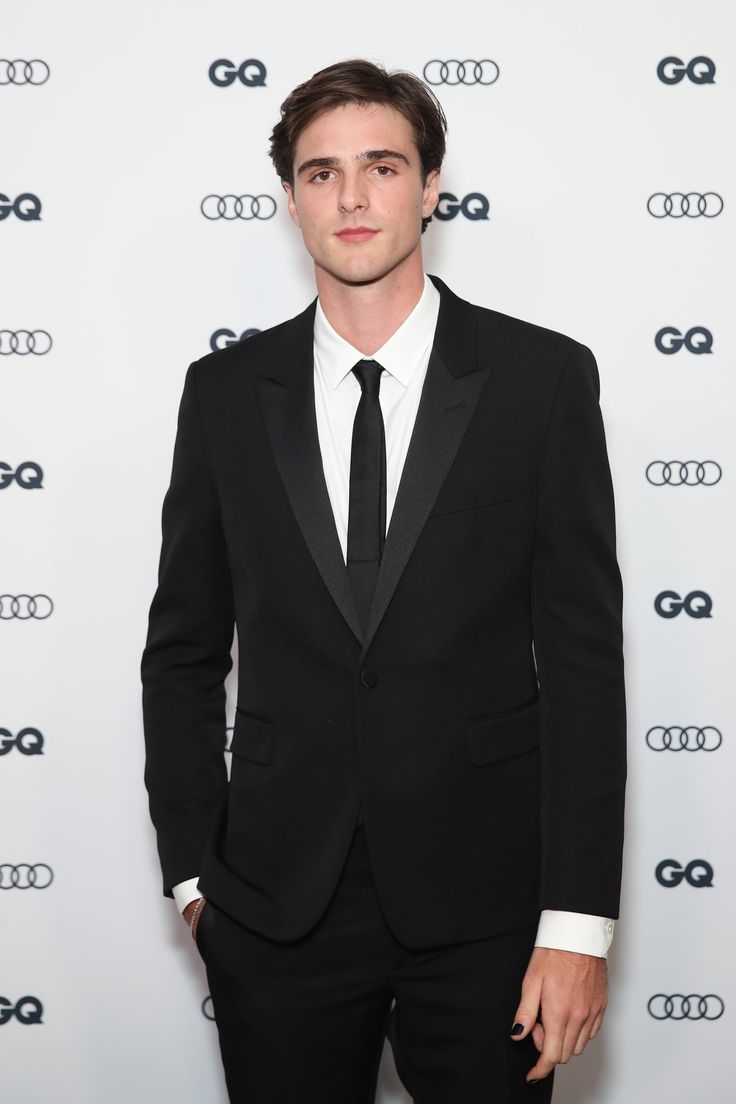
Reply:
x=366 y=315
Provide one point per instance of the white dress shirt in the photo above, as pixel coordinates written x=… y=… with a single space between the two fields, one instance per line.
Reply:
x=404 y=357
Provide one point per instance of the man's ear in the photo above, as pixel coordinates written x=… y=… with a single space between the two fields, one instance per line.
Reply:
x=431 y=194
x=291 y=204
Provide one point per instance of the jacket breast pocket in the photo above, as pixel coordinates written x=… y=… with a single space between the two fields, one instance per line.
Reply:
x=497 y=737
x=252 y=737
x=471 y=496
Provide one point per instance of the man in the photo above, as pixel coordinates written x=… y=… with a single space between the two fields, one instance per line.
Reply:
x=403 y=502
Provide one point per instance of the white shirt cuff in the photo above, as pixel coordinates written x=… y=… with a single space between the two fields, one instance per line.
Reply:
x=563 y=931
x=185 y=892
x=575 y=931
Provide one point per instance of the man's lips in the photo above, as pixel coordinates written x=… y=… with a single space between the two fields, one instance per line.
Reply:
x=356 y=234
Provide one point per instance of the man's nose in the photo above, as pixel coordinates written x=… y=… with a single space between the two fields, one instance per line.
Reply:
x=352 y=194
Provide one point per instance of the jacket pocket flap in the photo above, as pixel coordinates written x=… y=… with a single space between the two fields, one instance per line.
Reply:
x=499 y=736
x=472 y=496
x=252 y=737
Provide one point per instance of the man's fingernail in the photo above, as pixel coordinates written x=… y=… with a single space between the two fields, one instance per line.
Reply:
x=533 y=1081
x=517 y=1029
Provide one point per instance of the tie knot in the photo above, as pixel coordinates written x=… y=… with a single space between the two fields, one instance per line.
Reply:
x=369 y=375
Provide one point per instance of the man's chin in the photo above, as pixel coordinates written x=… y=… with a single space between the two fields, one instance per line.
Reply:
x=364 y=281
x=361 y=275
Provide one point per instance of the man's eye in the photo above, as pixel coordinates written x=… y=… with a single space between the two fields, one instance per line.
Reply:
x=384 y=170
x=322 y=174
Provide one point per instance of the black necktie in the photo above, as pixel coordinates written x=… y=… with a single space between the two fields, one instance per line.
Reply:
x=367 y=507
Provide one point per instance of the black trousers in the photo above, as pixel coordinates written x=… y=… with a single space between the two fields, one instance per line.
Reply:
x=304 y=1022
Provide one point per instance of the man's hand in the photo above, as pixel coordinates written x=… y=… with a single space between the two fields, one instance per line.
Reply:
x=187 y=914
x=571 y=990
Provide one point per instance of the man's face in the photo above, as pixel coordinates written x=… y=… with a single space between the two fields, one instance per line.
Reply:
x=358 y=195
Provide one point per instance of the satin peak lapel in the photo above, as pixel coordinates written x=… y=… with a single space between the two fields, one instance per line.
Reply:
x=450 y=394
x=452 y=388
x=287 y=401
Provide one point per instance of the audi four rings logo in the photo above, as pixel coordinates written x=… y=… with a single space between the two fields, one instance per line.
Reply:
x=252 y=73
x=222 y=338
x=701 y=70
x=23 y=72
x=25 y=876
x=27 y=1010
x=28 y=741
x=26 y=207
x=474 y=206
x=682 y=473
x=461 y=72
x=697 y=873
x=24 y=342
x=680 y=204
x=244 y=207
x=696 y=604
x=697 y=340
x=25 y=607
x=207 y=1009
x=690 y=1007
x=27 y=475
x=689 y=738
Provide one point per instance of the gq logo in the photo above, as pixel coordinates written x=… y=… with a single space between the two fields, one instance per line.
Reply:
x=252 y=73
x=27 y=475
x=474 y=206
x=697 y=340
x=221 y=339
x=26 y=207
x=696 y=604
x=29 y=741
x=701 y=70
x=697 y=873
x=27 y=1010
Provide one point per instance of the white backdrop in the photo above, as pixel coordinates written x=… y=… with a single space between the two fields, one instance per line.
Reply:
x=119 y=146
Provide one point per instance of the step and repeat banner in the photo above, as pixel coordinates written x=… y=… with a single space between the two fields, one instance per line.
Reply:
x=589 y=187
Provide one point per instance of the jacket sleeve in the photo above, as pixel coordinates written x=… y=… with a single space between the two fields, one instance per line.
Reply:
x=187 y=656
x=576 y=598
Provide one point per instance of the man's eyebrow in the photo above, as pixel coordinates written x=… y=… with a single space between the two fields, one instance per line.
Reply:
x=367 y=155
x=384 y=155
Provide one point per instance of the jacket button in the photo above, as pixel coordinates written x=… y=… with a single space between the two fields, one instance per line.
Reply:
x=368 y=677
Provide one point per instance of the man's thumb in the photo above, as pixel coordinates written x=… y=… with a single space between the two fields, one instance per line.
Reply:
x=524 y=1020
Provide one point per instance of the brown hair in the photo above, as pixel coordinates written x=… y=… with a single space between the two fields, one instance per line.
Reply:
x=357 y=81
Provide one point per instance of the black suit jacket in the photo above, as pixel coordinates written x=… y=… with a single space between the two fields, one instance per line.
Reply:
x=481 y=718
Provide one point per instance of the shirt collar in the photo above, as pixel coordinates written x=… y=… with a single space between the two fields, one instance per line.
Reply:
x=400 y=355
